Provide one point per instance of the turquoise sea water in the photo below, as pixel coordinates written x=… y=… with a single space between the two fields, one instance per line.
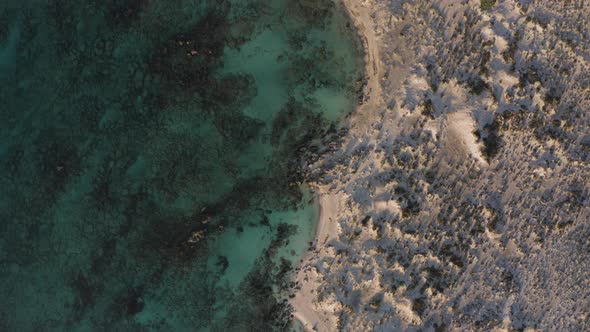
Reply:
x=150 y=156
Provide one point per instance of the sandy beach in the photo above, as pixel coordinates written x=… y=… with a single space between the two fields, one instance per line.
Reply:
x=306 y=277
x=306 y=311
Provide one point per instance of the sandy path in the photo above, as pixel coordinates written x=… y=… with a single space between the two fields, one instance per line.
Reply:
x=360 y=13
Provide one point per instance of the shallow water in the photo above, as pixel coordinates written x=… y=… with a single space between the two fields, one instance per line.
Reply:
x=150 y=158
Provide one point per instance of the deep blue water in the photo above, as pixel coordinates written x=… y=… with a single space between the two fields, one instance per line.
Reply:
x=150 y=158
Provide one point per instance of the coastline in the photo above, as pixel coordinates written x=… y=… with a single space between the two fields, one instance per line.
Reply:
x=307 y=278
x=451 y=198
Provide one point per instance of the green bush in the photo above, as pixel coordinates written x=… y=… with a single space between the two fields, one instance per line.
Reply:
x=487 y=4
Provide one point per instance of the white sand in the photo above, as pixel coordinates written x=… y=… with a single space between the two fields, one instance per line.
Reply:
x=327 y=228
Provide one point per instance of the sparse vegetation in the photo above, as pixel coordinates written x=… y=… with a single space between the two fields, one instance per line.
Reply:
x=435 y=204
